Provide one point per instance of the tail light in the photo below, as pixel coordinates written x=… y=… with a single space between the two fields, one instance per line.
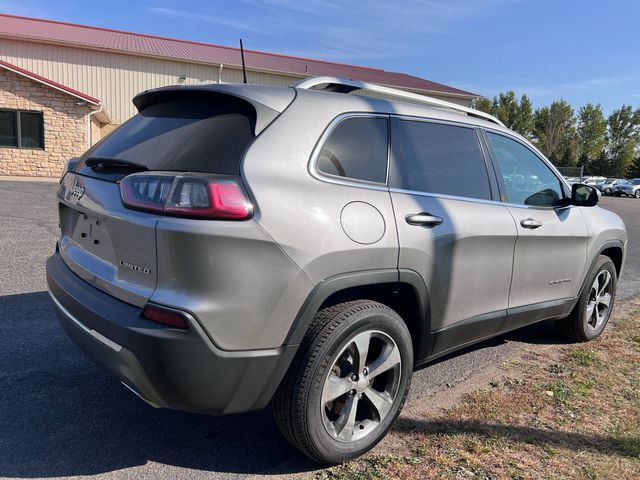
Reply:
x=165 y=316
x=186 y=195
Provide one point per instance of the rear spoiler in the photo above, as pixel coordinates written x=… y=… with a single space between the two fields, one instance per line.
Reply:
x=268 y=102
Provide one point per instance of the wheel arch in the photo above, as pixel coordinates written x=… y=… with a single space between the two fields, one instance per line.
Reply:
x=615 y=251
x=402 y=290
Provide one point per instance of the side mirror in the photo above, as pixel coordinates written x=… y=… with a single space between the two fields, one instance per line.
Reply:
x=584 y=195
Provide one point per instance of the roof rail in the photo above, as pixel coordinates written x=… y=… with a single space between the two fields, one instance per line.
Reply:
x=343 y=85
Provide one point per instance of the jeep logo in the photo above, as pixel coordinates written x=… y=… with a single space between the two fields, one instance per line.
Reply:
x=135 y=268
x=77 y=190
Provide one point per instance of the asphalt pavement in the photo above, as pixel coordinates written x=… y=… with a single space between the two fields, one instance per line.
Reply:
x=61 y=416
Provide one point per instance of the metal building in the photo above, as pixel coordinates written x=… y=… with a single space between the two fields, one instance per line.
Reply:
x=63 y=85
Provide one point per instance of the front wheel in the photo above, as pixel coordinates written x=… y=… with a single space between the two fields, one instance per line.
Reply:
x=593 y=309
x=348 y=382
x=637 y=193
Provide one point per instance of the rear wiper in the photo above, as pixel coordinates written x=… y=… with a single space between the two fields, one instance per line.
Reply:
x=104 y=163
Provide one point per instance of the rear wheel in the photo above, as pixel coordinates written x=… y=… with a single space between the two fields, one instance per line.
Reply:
x=592 y=312
x=637 y=194
x=348 y=382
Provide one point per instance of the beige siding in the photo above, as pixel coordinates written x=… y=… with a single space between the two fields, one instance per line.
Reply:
x=115 y=78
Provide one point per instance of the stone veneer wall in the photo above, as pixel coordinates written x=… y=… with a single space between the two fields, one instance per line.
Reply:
x=65 y=127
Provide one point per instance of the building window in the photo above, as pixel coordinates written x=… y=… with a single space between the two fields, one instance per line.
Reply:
x=21 y=129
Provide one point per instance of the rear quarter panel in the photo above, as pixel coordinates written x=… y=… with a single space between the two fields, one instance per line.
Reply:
x=302 y=213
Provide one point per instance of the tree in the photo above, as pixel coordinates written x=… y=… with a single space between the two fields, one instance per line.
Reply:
x=592 y=137
x=634 y=171
x=555 y=133
x=506 y=107
x=623 y=136
x=524 y=118
x=517 y=116
x=600 y=165
x=484 y=105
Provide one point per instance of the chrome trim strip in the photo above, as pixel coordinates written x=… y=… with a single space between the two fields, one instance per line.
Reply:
x=475 y=200
x=313 y=171
x=149 y=402
x=98 y=336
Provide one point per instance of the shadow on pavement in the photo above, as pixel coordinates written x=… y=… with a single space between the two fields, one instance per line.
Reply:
x=62 y=416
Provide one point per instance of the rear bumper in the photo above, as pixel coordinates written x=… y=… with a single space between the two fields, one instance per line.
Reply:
x=178 y=369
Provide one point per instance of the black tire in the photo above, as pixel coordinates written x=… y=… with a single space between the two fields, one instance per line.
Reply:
x=576 y=326
x=297 y=405
x=607 y=191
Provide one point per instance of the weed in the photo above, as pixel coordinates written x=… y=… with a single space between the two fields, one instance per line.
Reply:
x=585 y=357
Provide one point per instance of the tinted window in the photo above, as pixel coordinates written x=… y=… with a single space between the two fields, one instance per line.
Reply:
x=8 y=134
x=195 y=134
x=31 y=130
x=437 y=158
x=356 y=148
x=527 y=179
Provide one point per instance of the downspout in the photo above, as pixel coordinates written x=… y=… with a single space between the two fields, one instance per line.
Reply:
x=91 y=113
x=220 y=74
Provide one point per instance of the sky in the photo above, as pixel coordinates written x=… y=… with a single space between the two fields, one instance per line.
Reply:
x=579 y=51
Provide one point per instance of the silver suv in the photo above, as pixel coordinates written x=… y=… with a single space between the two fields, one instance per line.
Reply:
x=236 y=245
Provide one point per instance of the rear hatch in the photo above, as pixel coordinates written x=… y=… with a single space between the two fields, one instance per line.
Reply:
x=113 y=247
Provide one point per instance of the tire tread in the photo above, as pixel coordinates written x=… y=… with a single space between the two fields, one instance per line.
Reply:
x=289 y=401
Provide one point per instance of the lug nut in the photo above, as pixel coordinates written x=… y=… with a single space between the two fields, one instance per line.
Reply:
x=365 y=372
x=352 y=393
x=354 y=377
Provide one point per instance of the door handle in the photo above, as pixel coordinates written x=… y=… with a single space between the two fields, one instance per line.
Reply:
x=424 y=219
x=530 y=223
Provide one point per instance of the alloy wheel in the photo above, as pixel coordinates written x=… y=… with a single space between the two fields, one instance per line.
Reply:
x=361 y=386
x=599 y=300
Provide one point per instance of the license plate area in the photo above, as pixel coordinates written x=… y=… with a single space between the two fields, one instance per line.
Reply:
x=89 y=233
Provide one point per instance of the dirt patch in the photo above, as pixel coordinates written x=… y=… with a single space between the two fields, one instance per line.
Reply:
x=559 y=411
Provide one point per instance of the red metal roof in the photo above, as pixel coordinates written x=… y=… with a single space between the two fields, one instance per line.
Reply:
x=38 y=30
x=50 y=83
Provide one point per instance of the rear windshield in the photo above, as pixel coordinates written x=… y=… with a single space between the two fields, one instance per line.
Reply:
x=200 y=134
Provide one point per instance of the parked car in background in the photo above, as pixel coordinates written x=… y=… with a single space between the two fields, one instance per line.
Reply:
x=629 y=189
x=618 y=190
x=235 y=246
x=592 y=181
x=609 y=187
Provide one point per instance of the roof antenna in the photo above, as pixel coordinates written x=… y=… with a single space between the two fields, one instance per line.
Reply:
x=244 y=69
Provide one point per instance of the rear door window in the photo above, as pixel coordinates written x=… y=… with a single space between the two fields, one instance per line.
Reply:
x=356 y=149
x=208 y=134
x=438 y=158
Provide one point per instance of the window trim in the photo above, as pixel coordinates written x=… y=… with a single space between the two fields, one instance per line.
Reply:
x=335 y=179
x=488 y=165
x=18 y=127
x=501 y=186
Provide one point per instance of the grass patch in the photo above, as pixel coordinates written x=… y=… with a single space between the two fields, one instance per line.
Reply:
x=560 y=391
x=568 y=411
x=585 y=357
